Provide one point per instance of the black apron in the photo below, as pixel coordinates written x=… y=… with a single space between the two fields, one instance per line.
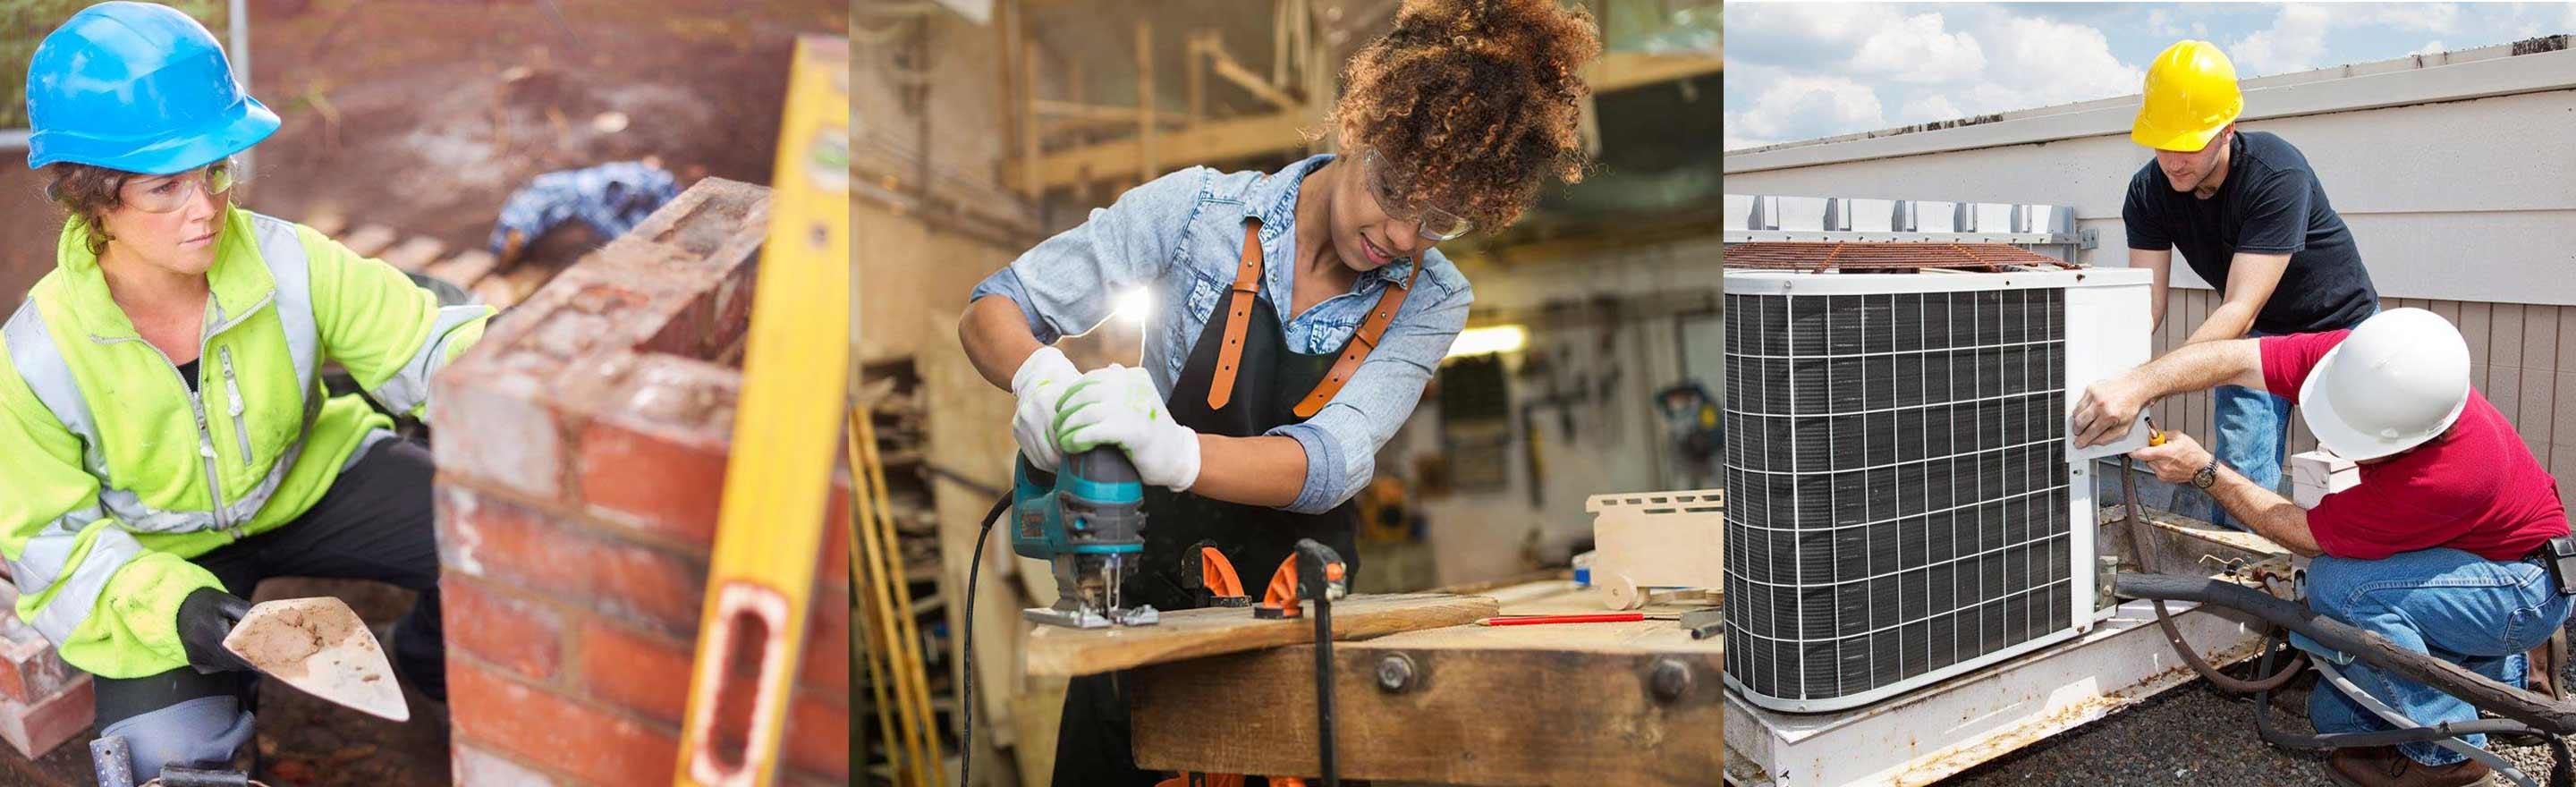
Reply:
x=1092 y=743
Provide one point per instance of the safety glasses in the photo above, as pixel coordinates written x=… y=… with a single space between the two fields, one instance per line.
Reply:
x=169 y=193
x=1387 y=183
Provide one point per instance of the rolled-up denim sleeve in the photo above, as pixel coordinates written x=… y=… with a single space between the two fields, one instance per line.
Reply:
x=1066 y=285
x=1341 y=441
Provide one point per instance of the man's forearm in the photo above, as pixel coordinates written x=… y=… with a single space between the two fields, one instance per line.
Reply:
x=2267 y=512
x=2198 y=367
x=2229 y=321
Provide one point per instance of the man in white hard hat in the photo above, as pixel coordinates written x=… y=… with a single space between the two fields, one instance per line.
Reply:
x=2251 y=218
x=2445 y=545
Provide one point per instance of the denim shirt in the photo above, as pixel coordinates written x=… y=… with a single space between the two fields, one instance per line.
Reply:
x=1181 y=238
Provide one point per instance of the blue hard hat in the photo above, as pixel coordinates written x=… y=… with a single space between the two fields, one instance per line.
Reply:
x=137 y=87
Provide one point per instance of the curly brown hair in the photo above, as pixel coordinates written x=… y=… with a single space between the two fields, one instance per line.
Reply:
x=1478 y=100
x=86 y=193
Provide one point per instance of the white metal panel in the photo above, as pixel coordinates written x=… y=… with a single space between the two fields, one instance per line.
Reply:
x=2431 y=191
x=1951 y=727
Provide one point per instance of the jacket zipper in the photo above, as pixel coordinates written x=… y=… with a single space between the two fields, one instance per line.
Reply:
x=197 y=404
x=232 y=388
x=205 y=440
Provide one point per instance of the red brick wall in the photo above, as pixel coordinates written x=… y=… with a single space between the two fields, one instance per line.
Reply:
x=581 y=452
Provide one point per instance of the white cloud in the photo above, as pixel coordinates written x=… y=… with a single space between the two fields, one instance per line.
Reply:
x=1928 y=107
x=2161 y=23
x=1920 y=50
x=2038 y=62
x=2430 y=49
x=1805 y=106
x=2424 y=17
x=2295 y=40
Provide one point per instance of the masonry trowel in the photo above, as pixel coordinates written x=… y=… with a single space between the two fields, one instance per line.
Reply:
x=320 y=645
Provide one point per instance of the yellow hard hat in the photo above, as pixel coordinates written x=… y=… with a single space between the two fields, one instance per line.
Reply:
x=2191 y=94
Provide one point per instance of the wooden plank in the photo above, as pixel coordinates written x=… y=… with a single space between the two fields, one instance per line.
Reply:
x=1213 y=141
x=1508 y=714
x=2539 y=378
x=1225 y=65
x=329 y=223
x=1616 y=71
x=1183 y=634
x=2450 y=310
x=369 y=240
x=2504 y=389
x=464 y=269
x=415 y=254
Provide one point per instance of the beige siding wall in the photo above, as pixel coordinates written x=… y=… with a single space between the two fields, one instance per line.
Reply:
x=2523 y=358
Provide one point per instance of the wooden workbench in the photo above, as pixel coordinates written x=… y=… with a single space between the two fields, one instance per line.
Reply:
x=1589 y=703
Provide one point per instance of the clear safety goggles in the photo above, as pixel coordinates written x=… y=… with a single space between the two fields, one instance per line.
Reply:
x=1387 y=184
x=169 y=193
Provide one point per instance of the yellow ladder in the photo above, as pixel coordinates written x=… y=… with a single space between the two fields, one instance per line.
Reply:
x=779 y=475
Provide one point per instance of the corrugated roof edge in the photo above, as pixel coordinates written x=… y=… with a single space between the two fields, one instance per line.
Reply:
x=2541 y=45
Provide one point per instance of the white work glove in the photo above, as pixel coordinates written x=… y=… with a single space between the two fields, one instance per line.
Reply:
x=1039 y=384
x=1116 y=405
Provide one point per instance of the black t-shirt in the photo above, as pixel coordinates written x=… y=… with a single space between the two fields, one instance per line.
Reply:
x=2271 y=203
x=188 y=374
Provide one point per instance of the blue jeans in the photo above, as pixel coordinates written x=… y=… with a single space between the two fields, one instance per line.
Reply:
x=2253 y=438
x=2477 y=613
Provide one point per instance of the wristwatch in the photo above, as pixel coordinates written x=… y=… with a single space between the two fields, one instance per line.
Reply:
x=2208 y=475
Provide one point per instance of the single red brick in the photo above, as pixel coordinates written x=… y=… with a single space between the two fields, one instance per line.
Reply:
x=510 y=544
x=34 y=728
x=555 y=732
x=827 y=641
x=486 y=621
x=471 y=766
x=665 y=482
x=818 y=735
x=30 y=669
x=647 y=673
x=497 y=430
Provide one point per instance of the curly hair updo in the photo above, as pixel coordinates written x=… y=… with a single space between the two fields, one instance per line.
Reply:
x=1477 y=100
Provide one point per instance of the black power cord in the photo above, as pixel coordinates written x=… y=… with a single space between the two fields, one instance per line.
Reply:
x=974 y=570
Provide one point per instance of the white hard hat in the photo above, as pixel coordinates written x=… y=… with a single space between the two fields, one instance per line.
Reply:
x=2400 y=379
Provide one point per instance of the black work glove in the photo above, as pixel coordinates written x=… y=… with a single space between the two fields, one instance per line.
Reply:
x=204 y=620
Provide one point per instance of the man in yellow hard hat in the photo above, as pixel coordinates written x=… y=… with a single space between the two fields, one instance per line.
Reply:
x=2251 y=218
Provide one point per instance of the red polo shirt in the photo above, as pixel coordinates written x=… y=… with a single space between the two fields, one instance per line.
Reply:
x=2476 y=488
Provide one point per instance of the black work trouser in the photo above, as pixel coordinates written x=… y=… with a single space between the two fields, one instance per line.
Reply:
x=375 y=522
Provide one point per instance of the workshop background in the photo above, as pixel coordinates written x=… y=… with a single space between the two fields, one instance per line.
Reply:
x=984 y=127
x=577 y=528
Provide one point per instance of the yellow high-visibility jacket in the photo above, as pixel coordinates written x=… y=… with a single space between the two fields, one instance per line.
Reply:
x=113 y=473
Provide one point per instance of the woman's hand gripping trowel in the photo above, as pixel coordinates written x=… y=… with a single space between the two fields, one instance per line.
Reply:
x=317 y=644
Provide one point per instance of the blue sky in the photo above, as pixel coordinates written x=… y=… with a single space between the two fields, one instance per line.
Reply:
x=1799 y=71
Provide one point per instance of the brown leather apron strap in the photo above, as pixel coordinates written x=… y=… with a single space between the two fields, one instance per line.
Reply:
x=1238 y=309
x=1389 y=301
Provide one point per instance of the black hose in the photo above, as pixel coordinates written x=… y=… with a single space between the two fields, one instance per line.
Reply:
x=2554 y=717
x=2344 y=740
x=2139 y=534
x=974 y=568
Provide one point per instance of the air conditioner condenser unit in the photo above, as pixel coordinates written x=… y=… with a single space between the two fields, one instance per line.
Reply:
x=1905 y=503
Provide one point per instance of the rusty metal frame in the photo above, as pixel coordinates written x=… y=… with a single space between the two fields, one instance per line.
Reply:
x=1887 y=257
